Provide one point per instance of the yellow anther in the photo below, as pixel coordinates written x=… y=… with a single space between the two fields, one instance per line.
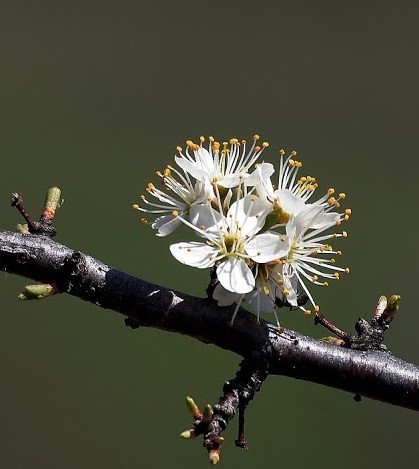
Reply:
x=346 y=217
x=179 y=149
x=285 y=292
x=257 y=148
x=331 y=191
x=333 y=261
x=336 y=204
x=211 y=139
x=280 y=282
x=265 y=144
x=325 y=284
x=331 y=201
x=347 y=270
x=348 y=211
x=344 y=234
x=291 y=162
x=175 y=213
x=316 y=309
x=342 y=195
x=256 y=137
x=150 y=186
x=315 y=278
x=282 y=152
x=189 y=143
x=135 y=206
x=293 y=153
x=303 y=179
x=143 y=220
x=203 y=227
x=339 y=253
x=336 y=275
x=307 y=312
x=202 y=139
x=142 y=197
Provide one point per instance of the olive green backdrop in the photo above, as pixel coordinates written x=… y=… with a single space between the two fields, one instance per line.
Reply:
x=94 y=98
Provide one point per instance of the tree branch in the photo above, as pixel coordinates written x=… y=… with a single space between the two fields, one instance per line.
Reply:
x=371 y=373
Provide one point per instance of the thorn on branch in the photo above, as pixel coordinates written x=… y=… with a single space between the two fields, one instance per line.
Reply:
x=342 y=335
x=44 y=225
x=241 y=439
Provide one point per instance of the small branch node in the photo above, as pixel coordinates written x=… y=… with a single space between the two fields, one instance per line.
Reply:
x=132 y=323
x=44 y=225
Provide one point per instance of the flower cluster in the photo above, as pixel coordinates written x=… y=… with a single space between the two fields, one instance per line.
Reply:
x=265 y=240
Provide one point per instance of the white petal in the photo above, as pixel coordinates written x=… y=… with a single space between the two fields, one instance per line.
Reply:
x=267 y=247
x=304 y=219
x=203 y=191
x=230 y=181
x=259 y=301
x=247 y=214
x=205 y=161
x=205 y=218
x=195 y=254
x=235 y=276
x=260 y=175
x=223 y=296
x=289 y=202
x=325 y=220
x=193 y=169
x=166 y=224
x=291 y=285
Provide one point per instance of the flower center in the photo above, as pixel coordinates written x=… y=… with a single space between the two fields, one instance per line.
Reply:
x=230 y=241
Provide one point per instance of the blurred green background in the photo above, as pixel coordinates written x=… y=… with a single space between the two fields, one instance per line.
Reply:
x=94 y=97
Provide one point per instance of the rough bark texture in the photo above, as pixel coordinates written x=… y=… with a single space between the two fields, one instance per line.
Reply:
x=374 y=374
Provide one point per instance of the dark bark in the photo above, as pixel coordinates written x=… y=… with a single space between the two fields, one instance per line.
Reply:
x=375 y=374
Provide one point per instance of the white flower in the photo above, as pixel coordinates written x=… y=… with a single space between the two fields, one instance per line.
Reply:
x=262 y=299
x=239 y=214
x=226 y=167
x=291 y=195
x=188 y=193
x=232 y=243
x=306 y=258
